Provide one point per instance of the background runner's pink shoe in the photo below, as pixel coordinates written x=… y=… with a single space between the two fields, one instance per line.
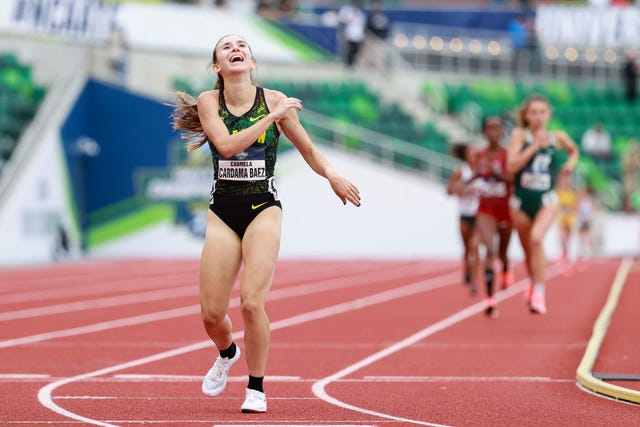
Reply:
x=507 y=279
x=538 y=304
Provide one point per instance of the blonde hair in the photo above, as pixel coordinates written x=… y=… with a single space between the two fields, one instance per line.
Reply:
x=524 y=107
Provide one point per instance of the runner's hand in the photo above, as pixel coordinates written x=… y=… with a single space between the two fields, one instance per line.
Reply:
x=284 y=105
x=568 y=168
x=345 y=190
x=541 y=139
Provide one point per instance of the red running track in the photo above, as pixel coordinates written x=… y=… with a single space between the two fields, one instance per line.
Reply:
x=357 y=343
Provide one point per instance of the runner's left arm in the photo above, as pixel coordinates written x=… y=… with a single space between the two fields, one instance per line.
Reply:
x=295 y=132
x=567 y=144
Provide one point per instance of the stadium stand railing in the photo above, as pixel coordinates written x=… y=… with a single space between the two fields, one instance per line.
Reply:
x=382 y=147
x=349 y=115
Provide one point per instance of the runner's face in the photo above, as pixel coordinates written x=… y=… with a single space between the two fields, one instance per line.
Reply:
x=538 y=114
x=233 y=55
x=494 y=133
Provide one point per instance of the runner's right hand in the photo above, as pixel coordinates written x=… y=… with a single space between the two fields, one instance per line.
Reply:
x=284 y=105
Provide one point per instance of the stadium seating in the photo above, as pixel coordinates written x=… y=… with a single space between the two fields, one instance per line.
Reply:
x=20 y=97
x=576 y=106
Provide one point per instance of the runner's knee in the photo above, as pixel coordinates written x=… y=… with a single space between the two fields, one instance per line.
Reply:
x=251 y=307
x=536 y=239
x=212 y=317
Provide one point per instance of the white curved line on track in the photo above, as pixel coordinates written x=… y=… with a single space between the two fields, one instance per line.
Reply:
x=319 y=388
x=45 y=393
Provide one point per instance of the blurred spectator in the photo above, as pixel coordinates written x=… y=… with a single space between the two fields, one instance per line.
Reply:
x=288 y=7
x=523 y=42
x=118 y=55
x=275 y=9
x=631 y=172
x=330 y=18
x=61 y=248
x=378 y=22
x=596 y=142
x=586 y=208
x=353 y=21
x=265 y=9
x=630 y=75
x=374 y=48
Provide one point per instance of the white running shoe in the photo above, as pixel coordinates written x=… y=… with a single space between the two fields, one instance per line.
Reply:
x=216 y=379
x=254 y=402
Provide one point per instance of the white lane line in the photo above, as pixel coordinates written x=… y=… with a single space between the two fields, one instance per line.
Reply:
x=94 y=284
x=91 y=283
x=172 y=397
x=83 y=285
x=319 y=388
x=168 y=378
x=198 y=378
x=24 y=376
x=103 y=326
x=114 y=301
x=289 y=423
x=293 y=291
x=87 y=397
x=45 y=393
x=209 y=422
x=458 y=379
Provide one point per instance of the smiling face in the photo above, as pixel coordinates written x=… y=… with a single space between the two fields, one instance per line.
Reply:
x=232 y=54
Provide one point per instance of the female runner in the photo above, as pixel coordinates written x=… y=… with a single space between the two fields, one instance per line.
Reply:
x=241 y=123
x=531 y=156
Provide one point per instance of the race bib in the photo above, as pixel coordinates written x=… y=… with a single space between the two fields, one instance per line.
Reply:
x=535 y=181
x=248 y=165
x=494 y=189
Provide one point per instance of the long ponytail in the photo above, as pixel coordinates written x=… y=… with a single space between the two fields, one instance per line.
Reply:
x=185 y=118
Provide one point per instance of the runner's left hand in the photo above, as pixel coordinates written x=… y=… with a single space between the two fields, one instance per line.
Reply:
x=345 y=190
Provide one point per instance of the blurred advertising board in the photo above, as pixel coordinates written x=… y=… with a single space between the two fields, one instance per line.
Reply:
x=166 y=27
x=588 y=26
